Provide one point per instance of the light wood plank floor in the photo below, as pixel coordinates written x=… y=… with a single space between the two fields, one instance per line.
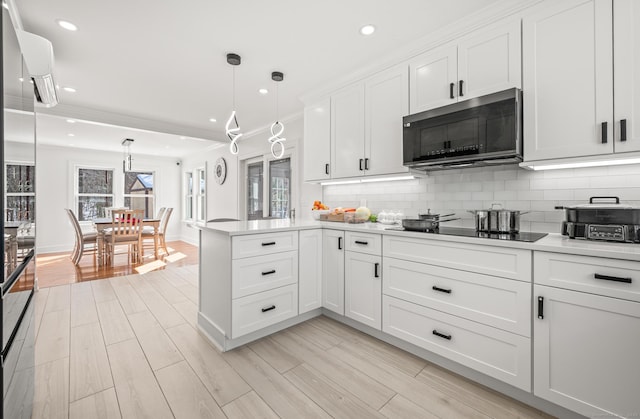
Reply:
x=127 y=347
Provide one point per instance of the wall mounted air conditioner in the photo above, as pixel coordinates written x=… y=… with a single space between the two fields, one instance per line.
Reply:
x=38 y=55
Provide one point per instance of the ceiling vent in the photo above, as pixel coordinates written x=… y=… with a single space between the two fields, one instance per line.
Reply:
x=38 y=55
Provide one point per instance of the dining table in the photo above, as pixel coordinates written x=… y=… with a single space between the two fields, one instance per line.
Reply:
x=101 y=224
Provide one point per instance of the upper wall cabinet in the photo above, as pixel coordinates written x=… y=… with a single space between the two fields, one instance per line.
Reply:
x=569 y=80
x=484 y=62
x=317 y=140
x=347 y=132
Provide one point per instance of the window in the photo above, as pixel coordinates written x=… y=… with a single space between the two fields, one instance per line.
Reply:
x=280 y=184
x=201 y=194
x=139 y=193
x=21 y=196
x=188 y=197
x=268 y=194
x=254 y=190
x=94 y=192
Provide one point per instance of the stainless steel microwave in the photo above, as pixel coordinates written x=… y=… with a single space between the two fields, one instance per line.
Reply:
x=486 y=130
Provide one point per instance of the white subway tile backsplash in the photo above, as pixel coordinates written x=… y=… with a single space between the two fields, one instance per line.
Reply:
x=477 y=188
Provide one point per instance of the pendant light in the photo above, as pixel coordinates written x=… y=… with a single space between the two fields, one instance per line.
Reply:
x=277 y=128
x=234 y=134
x=127 y=160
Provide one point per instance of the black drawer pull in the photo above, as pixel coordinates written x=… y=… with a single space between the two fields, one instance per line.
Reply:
x=376 y=270
x=339 y=243
x=451 y=86
x=540 y=308
x=272 y=307
x=269 y=243
x=360 y=166
x=623 y=130
x=441 y=335
x=441 y=289
x=613 y=278
x=366 y=164
x=361 y=242
x=604 y=132
x=326 y=169
x=269 y=272
x=461 y=83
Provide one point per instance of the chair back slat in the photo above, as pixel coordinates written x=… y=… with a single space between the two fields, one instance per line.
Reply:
x=74 y=222
x=126 y=223
x=165 y=220
x=161 y=212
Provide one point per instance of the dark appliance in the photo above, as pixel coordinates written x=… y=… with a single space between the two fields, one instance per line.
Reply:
x=471 y=232
x=608 y=221
x=486 y=130
x=17 y=216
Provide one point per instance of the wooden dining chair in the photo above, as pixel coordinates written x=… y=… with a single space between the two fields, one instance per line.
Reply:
x=148 y=233
x=85 y=242
x=126 y=229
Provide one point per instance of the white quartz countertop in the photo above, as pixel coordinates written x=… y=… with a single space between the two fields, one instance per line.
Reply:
x=551 y=243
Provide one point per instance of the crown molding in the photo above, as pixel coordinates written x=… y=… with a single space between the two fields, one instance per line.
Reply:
x=493 y=13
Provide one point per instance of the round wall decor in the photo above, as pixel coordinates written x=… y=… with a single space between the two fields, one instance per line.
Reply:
x=220 y=170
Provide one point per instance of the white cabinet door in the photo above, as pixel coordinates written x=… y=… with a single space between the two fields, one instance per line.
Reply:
x=387 y=101
x=586 y=352
x=333 y=270
x=317 y=141
x=347 y=132
x=489 y=61
x=363 y=288
x=568 y=80
x=309 y=270
x=626 y=66
x=433 y=78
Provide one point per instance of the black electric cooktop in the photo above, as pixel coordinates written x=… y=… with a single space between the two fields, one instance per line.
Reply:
x=523 y=236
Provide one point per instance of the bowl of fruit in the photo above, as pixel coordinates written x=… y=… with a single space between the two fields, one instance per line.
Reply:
x=318 y=209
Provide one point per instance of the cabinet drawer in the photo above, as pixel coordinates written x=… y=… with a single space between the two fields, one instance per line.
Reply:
x=579 y=273
x=364 y=243
x=498 y=302
x=262 y=273
x=263 y=244
x=499 y=354
x=257 y=311
x=486 y=259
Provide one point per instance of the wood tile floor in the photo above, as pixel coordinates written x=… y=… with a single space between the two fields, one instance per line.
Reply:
x=128 y=347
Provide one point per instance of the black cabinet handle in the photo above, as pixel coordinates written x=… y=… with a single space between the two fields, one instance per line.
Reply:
x=272 y=307
x=604 y=132
x=326 y=169
x=446 y=291
x=339 y=243
x=451 y=86
x=623 y=130
x=540 y=308
x=269 y=272
x=376 y=272
x=441 y=335
x=269 y=243
x=460 y=86
x=361 y=242
x=361 y=161
x=613 y=278
x=366 y=164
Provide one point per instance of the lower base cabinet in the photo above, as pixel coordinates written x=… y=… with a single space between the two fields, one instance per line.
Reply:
x=363 y=288
x=499 y=354
x=586 y=352
x=258 y=311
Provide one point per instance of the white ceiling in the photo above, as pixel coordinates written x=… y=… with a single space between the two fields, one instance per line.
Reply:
x=163 y=62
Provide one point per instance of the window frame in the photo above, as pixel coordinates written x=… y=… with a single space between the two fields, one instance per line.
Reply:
x=188 y=200
x=77 y=194
x=18 y=194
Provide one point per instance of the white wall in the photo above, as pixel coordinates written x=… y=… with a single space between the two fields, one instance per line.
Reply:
x=477 y=188
x=55 y=190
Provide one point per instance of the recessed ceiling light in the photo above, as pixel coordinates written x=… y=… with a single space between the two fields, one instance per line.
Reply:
x=71 y=135
x=367 y=29
x=213 y=120
x=263 y=91
x=71 y=121
x=21 y=79
x=183 y=138
x=66 y=25
x=69 y=89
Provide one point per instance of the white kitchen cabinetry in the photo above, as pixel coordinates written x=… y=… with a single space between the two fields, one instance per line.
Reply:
x=317 y=141
x=309 y=270
x=333 y=270
x=486 y=61
x=626 y=74
x=347 y=132
x=363 y=279
x=586 y=345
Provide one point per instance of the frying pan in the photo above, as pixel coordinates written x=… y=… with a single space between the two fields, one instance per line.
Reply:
x=423 y=224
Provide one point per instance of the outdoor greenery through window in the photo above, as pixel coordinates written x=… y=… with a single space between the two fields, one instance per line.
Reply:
x=21 y=193
x=138 y=192
x=94 y=192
